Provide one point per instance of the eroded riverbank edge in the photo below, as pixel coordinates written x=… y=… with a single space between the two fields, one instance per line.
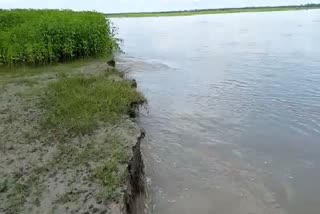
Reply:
x=54 y=172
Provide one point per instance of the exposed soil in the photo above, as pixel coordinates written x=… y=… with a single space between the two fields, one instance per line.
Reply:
x=49 y=171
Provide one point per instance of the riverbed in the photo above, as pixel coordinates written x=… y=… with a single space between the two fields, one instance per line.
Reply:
x=233 y=116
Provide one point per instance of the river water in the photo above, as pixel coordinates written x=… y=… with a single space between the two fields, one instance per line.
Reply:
x=233 y=118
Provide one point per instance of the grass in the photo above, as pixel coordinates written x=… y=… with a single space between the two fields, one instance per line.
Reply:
x=81 y=97
x=107 y=162
x=7 y=73
x=77 y=100
x=19 y=189
x=214 y=11
x=112 y=173
x=47 y=36
x=79 y=103
x=21 y=74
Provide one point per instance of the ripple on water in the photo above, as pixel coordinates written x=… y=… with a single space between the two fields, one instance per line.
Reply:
x=233 y=110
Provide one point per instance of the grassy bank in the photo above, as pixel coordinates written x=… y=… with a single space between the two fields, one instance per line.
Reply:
x=214 y=11
x=78 y=103
x=48 y=36
x=65 y=138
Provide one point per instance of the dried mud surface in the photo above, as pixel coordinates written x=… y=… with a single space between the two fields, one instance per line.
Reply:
x=48 y=172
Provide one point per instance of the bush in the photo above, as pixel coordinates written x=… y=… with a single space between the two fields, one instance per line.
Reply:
x=47 y=36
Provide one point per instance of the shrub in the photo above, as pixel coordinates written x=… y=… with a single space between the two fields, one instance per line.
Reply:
x=47 y=36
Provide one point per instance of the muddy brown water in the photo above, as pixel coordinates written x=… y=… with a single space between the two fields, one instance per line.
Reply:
x=233 y=119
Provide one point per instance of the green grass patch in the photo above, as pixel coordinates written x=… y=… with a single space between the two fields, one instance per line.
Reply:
x=214 y=11
x=47 y=36
x=79 y=103
x=112 y=173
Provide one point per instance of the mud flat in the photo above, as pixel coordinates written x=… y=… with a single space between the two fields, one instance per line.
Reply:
x=59 y=153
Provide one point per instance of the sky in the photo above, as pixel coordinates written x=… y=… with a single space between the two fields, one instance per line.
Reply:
x=116 y=6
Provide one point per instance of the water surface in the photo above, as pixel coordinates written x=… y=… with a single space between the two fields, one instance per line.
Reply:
x=233 y=118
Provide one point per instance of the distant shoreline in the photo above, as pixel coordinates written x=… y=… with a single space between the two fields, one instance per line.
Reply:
x=214 y=11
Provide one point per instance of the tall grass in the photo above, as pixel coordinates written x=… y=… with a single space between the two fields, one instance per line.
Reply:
x=47 y=36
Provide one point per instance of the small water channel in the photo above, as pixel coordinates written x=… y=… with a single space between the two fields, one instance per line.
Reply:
x=233 y=119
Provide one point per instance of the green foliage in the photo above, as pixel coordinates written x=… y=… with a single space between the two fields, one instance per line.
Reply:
x=78 y=103
x=47 y=36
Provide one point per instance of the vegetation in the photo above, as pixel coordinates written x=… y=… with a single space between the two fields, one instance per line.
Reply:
x=112 y=173
x=47 y=36
x=78 y=112
x=78 y=103
x=214 y=11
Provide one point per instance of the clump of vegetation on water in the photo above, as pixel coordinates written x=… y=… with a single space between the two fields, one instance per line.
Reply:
x=47 y=36
x=78 y=103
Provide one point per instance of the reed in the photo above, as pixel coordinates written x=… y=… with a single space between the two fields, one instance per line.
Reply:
x=47 y=36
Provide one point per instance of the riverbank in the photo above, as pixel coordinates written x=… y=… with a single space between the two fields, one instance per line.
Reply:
x=67 y=142
x=215 y=11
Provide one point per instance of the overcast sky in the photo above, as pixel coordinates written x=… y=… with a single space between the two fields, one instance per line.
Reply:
x=113 y=6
